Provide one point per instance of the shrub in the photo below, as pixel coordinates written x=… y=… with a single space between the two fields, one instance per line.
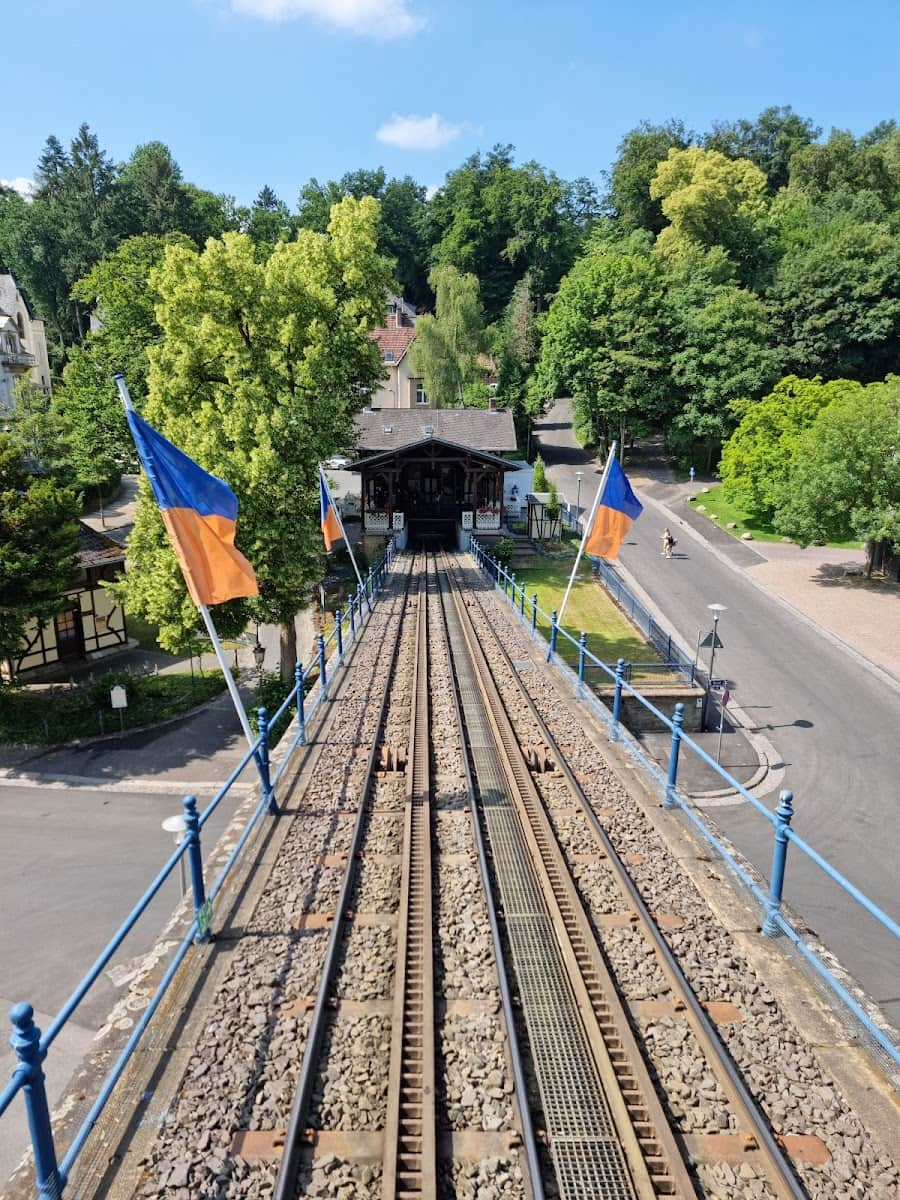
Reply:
x=539 y=483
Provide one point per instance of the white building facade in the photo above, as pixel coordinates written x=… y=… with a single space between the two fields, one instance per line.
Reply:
x=23 y=347
x=401 y=387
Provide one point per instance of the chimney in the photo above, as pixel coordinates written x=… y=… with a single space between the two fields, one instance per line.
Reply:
x=492 y=404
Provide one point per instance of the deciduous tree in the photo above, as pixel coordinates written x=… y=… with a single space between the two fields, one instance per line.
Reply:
x=257 y=377
x=38 y=546
x=447 y=344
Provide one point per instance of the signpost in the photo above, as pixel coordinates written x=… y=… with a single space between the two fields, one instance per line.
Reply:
x=118 y=698
x=726 y=696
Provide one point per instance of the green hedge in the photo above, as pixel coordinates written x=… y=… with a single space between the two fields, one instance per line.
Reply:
x=49 y=717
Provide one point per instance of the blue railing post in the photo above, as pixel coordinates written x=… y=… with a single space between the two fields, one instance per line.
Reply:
x=359 y=602
x=617 y=701
x=522 y=600
x=534 y=608
x=323 y=682
x=783 y=814
x=582 y=648
x=350 y=607
x=671 y=800
x=262 y=723
x=195 y=862
x=512 y=589
x=301 y=704
x=26 y=1041
x=338 y=625
x=554 y=631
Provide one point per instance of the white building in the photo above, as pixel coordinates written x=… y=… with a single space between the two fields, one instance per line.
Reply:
x=401 y=387
x=23 y=347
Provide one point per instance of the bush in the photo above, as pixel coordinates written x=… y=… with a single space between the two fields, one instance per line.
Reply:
x=539 y=483
x=269 y=694
x=503 y=552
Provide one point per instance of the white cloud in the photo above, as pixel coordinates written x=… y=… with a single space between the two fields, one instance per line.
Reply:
x=381 y=19
x=25 y=187
x=418 y=133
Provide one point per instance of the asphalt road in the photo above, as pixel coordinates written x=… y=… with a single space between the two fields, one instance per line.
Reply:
x=835 y=724
x=73 y=862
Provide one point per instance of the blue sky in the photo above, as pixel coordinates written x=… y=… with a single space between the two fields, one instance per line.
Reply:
x=248 y=92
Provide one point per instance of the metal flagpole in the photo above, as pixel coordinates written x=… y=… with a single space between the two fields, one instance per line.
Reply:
x=587 y=529
x=341 y=524
x=204 y=613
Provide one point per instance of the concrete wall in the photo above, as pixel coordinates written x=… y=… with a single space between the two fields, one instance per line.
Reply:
x=637 y=719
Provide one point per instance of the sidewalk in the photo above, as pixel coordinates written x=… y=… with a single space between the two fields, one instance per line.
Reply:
x=861 y=613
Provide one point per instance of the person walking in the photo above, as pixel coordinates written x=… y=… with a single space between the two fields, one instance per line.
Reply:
x=668 y=542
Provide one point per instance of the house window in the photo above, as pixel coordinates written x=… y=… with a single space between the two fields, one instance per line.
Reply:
x=388 y=356
x=421 y=398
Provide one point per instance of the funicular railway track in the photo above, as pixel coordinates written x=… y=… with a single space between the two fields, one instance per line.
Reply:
x=623 y=1074
x=604 y=1124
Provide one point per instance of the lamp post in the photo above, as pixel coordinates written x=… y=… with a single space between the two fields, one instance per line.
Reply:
x=177 y=826
x=579 y=475
x=716 y=610
x=259 y=654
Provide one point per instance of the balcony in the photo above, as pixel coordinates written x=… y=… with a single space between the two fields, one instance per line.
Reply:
x=16 y=358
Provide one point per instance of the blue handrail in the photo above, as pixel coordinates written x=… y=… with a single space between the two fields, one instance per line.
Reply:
x=776 y=922
x=32 y=1048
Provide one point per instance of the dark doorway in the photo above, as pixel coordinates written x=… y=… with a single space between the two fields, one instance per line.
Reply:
x=69 y=635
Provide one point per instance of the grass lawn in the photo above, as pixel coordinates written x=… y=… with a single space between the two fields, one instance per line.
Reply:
x=610 y=635
x=42 y=717
x=762 y=532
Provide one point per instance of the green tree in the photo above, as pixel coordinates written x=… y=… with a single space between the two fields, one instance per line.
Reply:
x=710 y=201
x=98 y=443
x=539 y=480
x=770 y=142
x=870 y=163
x=607 y=339
x=836 y=296
x=37 y=431
x=447 y=344
x=38 y=546
x=724 y=354
x=257 y=377
x=500 y=222
x=270 y=219
x=845 y=476
x=518 y=348
x=757 y=459
x=639 y=155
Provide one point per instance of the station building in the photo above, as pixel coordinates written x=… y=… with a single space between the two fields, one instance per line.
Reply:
x=435 y=475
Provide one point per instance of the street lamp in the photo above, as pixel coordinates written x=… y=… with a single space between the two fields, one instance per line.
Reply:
x=579 y=475
x=177 y=826
x=259 y=653
x=716 y=610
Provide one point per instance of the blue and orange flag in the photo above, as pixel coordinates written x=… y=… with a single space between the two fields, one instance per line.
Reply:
x=615 y=510
x=331 y=525
x=199 y=512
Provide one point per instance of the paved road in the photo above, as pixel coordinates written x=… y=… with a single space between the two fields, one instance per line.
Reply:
x=833 y=722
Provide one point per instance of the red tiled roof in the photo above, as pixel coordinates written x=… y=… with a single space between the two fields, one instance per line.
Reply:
x=397 y=341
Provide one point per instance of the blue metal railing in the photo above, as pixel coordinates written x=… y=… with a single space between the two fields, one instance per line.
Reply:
x=775 y=922
x=31 y=1047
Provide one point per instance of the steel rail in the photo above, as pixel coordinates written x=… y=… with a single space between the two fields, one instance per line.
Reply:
x=783 y=1178
x=503 y=971
x=286 y=1181
x=655 y=1163
x=410 y=1161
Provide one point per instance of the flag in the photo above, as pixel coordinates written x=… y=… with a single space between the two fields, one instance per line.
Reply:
x=331 y=525
x=199 y=512
x=726 y=696
x=614 y=512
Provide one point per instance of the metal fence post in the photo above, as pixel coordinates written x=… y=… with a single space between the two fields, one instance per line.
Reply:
x=554 y=630
x=534 y=608
x=26 y=1041
x=262 y=724
x=301 y=698
x=512 y=589
x=671 y=800
x=522 y=600
x=783 y=814
x=352 y=617
x=323 y=682
x=617 y=701
x=338 y=625
x=195 y=863
x=582 y=647
x=359 y=602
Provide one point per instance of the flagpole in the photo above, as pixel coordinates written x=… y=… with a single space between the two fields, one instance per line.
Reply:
x=587 y=529
x=204 y=613
x=341 y=525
